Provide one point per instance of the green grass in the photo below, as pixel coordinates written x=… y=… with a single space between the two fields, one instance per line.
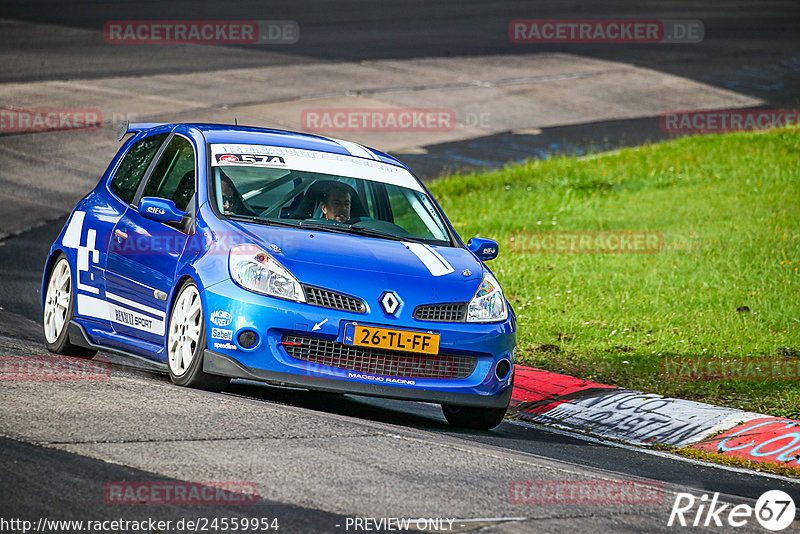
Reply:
x=735 y=461
x=729 y=210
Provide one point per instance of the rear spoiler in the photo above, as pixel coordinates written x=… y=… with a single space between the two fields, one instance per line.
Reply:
x=125 y=127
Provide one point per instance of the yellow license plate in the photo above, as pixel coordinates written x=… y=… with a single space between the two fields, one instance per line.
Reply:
x=389 y=338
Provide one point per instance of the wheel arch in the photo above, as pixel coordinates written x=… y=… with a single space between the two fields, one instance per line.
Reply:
x=48 y=268
x=178 y=284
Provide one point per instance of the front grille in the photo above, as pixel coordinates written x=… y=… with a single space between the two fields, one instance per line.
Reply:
x=378 y=361
x=330 y=299
x=443 y=313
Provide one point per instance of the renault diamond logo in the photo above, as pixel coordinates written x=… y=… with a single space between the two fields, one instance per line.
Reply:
x=390 y=302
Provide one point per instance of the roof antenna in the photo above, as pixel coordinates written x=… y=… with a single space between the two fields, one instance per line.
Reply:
x=235 y=121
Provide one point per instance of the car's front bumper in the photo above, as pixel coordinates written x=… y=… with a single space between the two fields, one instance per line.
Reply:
x=272 y=319
x=223 y=365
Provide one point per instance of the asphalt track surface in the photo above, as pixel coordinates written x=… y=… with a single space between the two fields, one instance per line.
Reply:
x=318 y=459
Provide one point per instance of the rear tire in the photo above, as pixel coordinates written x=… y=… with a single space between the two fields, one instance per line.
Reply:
x=58 y=311
x=186 y=342
x=473 y=418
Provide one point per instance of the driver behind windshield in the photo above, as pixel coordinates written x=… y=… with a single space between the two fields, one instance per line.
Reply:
x=232 y=200
x=336 y=203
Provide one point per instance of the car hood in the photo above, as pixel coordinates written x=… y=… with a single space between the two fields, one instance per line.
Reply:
x=368 y=266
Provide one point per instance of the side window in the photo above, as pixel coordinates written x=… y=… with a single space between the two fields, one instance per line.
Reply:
x=129 y=174
x=173 y=177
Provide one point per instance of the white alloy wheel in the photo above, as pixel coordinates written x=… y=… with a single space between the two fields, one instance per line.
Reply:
x=57 y=301
x=185 y=326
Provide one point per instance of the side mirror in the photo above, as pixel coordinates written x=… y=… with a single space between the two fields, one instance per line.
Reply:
x=485 y=249
x=161 y=210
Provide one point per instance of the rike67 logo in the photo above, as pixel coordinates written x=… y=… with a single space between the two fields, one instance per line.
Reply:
x=774 y=511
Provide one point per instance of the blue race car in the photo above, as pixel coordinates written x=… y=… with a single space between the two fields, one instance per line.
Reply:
x=222 y=252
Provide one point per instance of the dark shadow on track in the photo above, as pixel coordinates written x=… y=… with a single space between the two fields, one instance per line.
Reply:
x=43 y=482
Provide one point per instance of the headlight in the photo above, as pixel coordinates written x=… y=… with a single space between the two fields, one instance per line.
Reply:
x=488 y=305
x=254 y=269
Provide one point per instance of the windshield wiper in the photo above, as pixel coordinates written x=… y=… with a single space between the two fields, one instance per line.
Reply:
x=361 y=230
x=299 y=223
x=343 y=229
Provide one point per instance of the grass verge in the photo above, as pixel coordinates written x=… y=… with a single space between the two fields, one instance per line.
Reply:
x=734 y=461
x=723 y=289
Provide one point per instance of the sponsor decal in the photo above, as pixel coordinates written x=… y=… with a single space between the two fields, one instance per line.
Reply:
x=252 y=159
x=361 y=163
x=774 y=510
x=132 y=319
x=103 y=309
x=221 y=318
x=386 y=379
x=178 y=493
x=222 y=333
x=227 y=346
x=157 y=211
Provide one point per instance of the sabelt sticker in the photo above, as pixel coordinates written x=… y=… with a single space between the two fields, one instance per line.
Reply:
x=221 y=318
x=267 y=160
x=222 y=333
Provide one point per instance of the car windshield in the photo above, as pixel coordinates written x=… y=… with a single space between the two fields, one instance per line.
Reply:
x=263 y=187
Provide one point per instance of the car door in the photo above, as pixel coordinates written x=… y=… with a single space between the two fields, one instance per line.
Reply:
x=90 y=229
x=141 y=267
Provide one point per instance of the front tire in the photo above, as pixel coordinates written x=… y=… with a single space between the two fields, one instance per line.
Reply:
x=58 y=311
x=186 y=341
x=473 y=418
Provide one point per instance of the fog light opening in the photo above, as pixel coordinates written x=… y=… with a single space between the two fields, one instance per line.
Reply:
x=248 y=339
x=502 y=369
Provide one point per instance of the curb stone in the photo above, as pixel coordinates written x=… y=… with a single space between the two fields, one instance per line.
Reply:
x=647 y=419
